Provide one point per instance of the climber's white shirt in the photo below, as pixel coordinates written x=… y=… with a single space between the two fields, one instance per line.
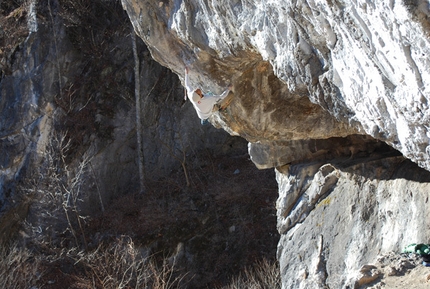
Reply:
x=203 y=106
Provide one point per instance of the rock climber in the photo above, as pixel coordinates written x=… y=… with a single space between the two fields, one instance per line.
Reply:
x=203 y=103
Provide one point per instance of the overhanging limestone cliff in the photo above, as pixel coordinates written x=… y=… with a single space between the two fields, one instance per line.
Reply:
x=315 y=81
x=363 y=64
x=263 y=108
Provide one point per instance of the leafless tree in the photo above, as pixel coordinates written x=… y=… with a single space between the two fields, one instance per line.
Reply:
x=139 y=126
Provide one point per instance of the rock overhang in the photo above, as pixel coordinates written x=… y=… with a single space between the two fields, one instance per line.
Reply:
x=301 y=70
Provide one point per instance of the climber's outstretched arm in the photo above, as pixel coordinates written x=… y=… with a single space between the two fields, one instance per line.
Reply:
x=187 y=81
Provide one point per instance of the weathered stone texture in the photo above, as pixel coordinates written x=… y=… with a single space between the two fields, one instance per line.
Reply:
x=324 y=90
x=59 y=88
x=335 y=218
x=365 y=63
x=316 y=81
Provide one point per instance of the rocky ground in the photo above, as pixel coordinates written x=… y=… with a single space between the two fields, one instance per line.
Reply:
x=416 y=278
x=395 y=271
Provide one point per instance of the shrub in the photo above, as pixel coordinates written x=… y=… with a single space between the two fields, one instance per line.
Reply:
x=19 y=268
x=116 y=265
x=13 y=31
x=263 y=275
x=120 y=264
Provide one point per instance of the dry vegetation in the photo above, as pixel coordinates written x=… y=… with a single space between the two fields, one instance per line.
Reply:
x=264 y=274
x=222 y=225
x=13 y=31
x=117 y=265
x=146 y=242
x=194 y=232
x=19 y=268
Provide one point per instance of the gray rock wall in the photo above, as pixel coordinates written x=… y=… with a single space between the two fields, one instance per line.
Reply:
x=323 y=90
x=65 y=80
x=364 y=63
x=315 y=81
x=336 y=218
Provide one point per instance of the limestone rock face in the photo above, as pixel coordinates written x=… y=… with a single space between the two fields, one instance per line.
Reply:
x=209 y=40
x=336 y=218
x=365 y=64
x=322 y=90
x=328 y=92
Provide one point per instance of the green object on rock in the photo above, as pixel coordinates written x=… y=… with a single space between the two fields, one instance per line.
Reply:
x=410 y=248
x=420 y=249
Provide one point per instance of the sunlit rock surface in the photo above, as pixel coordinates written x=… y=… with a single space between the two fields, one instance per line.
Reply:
x=264 y=107
x=336 y=218
x=364 y=63
x=321 y=89
x=325 y=91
